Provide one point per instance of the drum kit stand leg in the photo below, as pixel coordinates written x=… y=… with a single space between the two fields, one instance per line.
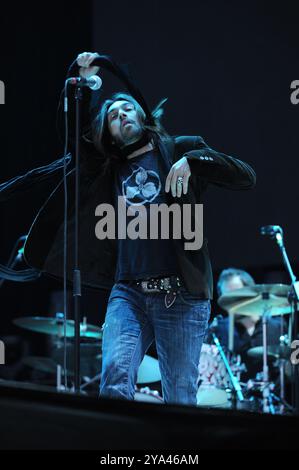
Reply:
x=237 y=393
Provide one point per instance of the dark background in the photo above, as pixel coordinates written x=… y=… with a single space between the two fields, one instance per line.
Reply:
x=226 y=68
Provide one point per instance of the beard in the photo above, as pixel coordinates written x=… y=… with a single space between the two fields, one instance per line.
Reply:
x=129 y=135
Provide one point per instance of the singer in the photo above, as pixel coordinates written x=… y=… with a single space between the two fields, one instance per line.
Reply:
x=159 y=291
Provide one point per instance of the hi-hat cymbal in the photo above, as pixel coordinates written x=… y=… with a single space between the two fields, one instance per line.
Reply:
x=255 y=300
x=55 y=326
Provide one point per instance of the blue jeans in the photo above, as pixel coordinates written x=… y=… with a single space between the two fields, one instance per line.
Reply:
x=135 y=319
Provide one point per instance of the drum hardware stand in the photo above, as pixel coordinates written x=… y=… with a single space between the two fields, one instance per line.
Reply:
x=239 y=368
x=59 y=386
x=59 y=344
x=89 y=381
x=267 y=400
x=266 y=385
x=236 y=387
x=60 y=369
x=266 y=391
x=284 y=341
x=276 y=232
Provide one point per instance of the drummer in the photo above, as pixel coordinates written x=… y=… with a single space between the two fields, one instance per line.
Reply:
x=248 y=329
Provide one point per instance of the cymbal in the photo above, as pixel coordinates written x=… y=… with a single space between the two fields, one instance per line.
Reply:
x=148 y=371
x=277 y=352
x=254 y=300
x=55 y=326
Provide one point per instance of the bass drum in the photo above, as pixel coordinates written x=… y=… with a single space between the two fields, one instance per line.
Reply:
x=213 y=379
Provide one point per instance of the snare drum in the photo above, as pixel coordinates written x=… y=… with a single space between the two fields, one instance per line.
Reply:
x=213 y=378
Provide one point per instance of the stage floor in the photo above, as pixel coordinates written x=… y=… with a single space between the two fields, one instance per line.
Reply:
x=39 y=418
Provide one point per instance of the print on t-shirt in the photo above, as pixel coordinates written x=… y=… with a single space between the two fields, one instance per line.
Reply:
x=141 y=187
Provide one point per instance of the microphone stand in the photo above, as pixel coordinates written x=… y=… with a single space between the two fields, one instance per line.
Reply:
x=76 y=270
x=94 y=83
x=293 y=299
x=277 y=234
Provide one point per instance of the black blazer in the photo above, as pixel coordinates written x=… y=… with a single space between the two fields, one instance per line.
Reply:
x=97 y=258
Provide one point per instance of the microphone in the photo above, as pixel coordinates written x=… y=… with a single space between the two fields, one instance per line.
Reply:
x=273 y=231
x=94 y=82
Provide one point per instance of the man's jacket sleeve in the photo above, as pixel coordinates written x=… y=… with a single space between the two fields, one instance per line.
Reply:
x=218 y=168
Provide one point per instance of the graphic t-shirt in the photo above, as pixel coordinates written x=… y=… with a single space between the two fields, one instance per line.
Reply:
x=139 y=182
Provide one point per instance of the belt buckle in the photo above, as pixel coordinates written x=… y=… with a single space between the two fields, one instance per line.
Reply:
x=166 y=282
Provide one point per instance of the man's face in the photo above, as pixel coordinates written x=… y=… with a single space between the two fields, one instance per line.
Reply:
x=123 y=123
x=233 y=283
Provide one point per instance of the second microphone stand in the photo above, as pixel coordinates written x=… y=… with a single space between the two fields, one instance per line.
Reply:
x=276 y=232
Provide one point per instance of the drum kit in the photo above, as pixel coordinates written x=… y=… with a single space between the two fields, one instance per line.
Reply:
x=219 y=373
x=62 y=355
x=219 y=383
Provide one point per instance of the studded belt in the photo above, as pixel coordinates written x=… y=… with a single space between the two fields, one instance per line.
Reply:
x=165 y=285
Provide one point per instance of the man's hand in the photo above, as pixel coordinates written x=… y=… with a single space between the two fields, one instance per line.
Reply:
x=84 y=60
x=180 y=171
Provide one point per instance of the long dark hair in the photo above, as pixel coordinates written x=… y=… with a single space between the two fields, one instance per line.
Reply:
x=101 y=135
